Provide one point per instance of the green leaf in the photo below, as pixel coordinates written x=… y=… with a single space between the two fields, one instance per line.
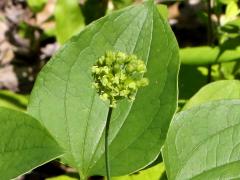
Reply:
x=163 y=10
x=118 y=4
x=93 y=10
x=190 y=80
x=225 y=89
x=232 y=26
x=227 y=1
x=64 y=100
x=69 y=19
x=63 y=177
x=36 y=5
x=232 y=10
x=12 y=100
x=24 y=144
x=206 y=55
x=203 y=142
x=153 y=173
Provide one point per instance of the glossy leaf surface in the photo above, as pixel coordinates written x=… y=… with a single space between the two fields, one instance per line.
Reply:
x=65 y=102
x=24 y=144
x=203 y=142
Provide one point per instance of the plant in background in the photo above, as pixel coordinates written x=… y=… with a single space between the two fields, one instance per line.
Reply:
x=222 y=55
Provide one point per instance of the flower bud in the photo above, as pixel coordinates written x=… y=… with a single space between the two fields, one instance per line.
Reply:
x=116 y=68
x=130 y=68
x=132 y=85
x=141 y=68
x=95 y=70
x=143 y=82
x=117 y=76
x=104 y=96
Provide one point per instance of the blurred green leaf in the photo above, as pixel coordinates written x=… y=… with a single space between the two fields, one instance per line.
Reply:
x=94 y=9
x=232 y=26
x=203 y=142
x=232 y=10
x=118 y=4
x=12 y=100
x=230 y=44
x=64 y=100
x=24 y=144
x=63 y=177
x=69 y=19
x=225 y=89
x=153 y=173
x=163 y=10
x=36 y=5
x=190 y=80
x=205 y=55
x=226 y=1
x=225 y=71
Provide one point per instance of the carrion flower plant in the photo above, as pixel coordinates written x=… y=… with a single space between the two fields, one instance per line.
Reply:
x=69 y=119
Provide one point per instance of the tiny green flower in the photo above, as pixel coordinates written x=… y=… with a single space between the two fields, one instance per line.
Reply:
x=117 y=76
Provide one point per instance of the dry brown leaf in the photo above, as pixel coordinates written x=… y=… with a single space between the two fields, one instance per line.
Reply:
x=8 y=78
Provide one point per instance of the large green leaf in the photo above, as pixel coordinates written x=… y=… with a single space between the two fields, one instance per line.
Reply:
x=65 y=102
x=225 y=89
x=203 y=142
x=69 y=19
x=24 y=144
x=163 y=10
x=204 y=55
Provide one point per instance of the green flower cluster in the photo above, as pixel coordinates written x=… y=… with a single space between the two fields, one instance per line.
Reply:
x=118 y=75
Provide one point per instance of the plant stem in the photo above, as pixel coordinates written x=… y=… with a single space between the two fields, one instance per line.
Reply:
x=107 y=163
x=210 y=37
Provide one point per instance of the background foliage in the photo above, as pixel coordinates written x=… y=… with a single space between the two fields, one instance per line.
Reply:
x=32 y=31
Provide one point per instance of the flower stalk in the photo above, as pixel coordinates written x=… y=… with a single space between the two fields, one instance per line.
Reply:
x=117 y=76
x=107 y=163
